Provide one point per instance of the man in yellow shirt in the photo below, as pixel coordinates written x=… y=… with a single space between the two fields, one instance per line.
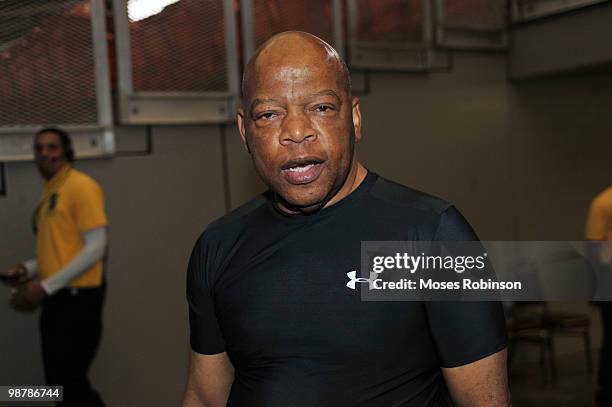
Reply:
x=66 y=276
x=599 y=228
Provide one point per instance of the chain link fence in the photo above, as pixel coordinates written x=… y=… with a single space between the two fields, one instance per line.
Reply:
x=274 y=16
x=47 y=71
x=180 y=49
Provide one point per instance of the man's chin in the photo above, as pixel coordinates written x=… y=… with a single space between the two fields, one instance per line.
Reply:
x=47 y=172
x=302 y=204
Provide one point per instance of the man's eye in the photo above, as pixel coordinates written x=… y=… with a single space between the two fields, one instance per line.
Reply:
x=323 y=108
x=265 y=115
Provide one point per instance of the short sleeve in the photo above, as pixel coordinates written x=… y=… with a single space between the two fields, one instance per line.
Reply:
x=205 y=333
x=88 y=206
x=464 y=332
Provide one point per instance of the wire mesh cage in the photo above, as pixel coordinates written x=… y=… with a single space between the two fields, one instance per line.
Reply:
x=392 y=34
x=180 y=49
x=53 y=71
x=397 y=21
x=524 y=10
x=177 y=60
x=47 y=67
x=471 y=24
x=263 y=18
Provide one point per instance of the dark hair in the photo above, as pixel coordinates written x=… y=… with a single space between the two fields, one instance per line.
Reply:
x=64 y=139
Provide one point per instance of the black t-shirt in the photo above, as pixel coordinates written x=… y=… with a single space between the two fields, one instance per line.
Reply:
x=270 y=290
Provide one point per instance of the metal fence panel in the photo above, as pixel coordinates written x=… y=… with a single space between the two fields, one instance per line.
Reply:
x=397 y=21
x=393 y=34
x=263 y=18
x=53 y=71
x=177 y=61
x=181 y=49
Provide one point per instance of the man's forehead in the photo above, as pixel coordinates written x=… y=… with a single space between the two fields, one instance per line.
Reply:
x=294 y=57
x=298 y=80
x=298 y=73
x=293 y=72
x=48 y=137
x=263 y=99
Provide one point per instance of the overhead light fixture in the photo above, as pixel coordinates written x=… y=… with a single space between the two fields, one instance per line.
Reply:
x=141 y=9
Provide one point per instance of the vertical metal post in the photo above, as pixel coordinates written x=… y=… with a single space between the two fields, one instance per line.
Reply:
x=337 y=29
x=352 y=13
x=248 y=29
x=124 y=56
x=102 y=74
x=231 y=47
x=101 y=66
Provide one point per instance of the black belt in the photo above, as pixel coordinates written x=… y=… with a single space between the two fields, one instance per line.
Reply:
x=76 y=291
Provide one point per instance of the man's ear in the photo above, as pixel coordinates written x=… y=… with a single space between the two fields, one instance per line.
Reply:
x=241 y=129
x=356 y=119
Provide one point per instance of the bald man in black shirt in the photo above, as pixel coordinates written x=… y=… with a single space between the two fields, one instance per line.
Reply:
x=273 y=322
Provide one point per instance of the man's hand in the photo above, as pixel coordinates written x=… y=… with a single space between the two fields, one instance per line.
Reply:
x=483 y=383
x=14 y=275
x=27 y=297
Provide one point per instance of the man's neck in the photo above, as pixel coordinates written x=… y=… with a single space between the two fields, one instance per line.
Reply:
x=60 y=170
x=355 y=177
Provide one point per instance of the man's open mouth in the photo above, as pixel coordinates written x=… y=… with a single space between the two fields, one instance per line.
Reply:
x=302 y=170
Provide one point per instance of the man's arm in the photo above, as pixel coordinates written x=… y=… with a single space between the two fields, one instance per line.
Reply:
x=210 y=380
x=92 y=251
x=480 y=383
x=31 y=294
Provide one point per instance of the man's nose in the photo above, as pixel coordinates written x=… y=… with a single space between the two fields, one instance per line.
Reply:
x=42 y=152
x=297 y=127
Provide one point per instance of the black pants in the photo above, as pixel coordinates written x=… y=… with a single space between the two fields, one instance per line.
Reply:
x=604 y=396
x=70 y=327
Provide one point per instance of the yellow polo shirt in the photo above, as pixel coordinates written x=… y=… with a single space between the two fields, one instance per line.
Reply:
x=71 y=203
x=599 y=223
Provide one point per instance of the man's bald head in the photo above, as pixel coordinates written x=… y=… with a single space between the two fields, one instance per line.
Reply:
x=295 y=48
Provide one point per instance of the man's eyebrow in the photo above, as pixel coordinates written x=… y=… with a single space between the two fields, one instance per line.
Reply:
x=327 y=92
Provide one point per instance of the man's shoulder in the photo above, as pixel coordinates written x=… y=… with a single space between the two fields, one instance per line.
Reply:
x=437 y=218
x=236 y=219
x=604 y=199
x=407 y=198
x=79 y=179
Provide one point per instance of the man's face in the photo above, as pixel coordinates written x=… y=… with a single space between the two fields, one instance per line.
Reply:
x=49 y=154
x=298 y=124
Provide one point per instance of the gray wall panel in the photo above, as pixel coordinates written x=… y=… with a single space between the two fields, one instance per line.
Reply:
x=443 y=133
x=243 y=180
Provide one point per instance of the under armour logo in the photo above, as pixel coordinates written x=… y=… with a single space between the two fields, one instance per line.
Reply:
x=353 y=279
